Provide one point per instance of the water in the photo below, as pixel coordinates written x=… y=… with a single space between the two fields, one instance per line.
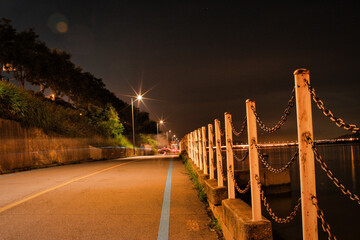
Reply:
x=341 y=213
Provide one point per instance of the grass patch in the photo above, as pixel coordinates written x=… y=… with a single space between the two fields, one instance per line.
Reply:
x=214 y=224
x=194 y=177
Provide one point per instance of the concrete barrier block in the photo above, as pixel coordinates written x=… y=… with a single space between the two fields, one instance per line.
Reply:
x=202 y=177
x=237 y=219
x=214 y=193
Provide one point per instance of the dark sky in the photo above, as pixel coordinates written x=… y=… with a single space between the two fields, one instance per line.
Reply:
x=208 y=57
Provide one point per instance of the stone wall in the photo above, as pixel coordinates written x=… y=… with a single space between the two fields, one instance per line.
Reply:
x=25 y=148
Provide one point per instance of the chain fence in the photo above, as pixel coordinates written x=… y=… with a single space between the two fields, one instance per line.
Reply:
x=320 y=214
x=269 y=167
x=241 y=130
x=232 y=176
x=222 y=133
x=327 y=112
x=241 y=159
x=277 y=219
x=283 y=118
x=330 y=174
x=229 y=174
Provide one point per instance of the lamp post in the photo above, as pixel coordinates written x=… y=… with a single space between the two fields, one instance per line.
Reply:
x=138 y=97
x=157 y=129
x=157 y=126
x=167 y=137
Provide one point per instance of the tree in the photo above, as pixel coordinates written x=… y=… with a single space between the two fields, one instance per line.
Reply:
x=7 y=43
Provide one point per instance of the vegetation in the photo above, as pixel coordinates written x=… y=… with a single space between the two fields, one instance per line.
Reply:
x=213 y=223
x=195 y=178
x=147 y=139
x=91 y=109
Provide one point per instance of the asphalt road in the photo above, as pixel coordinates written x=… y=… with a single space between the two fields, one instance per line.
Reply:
x=114 y=199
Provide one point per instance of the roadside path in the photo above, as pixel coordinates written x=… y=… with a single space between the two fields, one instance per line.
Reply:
x=114 y=199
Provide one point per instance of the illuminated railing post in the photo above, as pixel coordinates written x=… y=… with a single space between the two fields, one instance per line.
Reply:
x=197 y=148
x=189 y=145
x=200 y=149
x=306 y=155
x=193 y=147
x=229 y=156
x=187 y=141
x=253 y=161
x=218 y=153
x=196 y=152
x=203 y=137
x=211 y=151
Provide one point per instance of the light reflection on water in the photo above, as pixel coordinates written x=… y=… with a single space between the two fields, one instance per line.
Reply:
x=342 y=214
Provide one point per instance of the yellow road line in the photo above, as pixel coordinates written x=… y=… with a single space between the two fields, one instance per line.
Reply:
x=14 y=204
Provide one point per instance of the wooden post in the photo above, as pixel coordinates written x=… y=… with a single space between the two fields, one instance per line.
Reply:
x=306 y=155
x=229 y=156
x=200 y=149
x=203 y=135
x=211 y=151
x=253 y=161
x=218 y=153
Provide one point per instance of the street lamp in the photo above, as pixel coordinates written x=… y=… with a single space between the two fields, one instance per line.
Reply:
x=139 y=98
x=157 y=129
x=167 y=136
x=157 y=126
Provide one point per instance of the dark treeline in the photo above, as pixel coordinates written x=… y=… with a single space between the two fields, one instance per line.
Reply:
x=28 y=59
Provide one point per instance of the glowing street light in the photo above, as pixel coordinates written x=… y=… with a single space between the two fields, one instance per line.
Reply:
x=167 y=136
x=139 y=98
x=157 y=126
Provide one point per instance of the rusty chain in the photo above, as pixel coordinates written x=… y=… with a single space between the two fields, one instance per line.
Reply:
x=222 y=133
x=320 y=214
x=283 y=118
x=271 y=212
x=241 y=130
x=338 y=121
x=241 y=159
x=236 y=185
x=330 y=174
x=269 y=167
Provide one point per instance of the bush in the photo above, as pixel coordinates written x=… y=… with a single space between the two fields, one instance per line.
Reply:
x=33 y=110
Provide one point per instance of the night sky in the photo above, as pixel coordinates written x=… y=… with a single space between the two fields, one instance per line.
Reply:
x=207 y=57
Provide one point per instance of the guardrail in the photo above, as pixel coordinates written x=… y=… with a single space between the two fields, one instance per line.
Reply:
x=197 y=142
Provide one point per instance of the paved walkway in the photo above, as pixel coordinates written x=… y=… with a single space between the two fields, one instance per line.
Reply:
x=115 y=199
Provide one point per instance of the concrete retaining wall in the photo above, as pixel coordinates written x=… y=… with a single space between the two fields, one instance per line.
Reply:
x=25 y=148
x=234 y=215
